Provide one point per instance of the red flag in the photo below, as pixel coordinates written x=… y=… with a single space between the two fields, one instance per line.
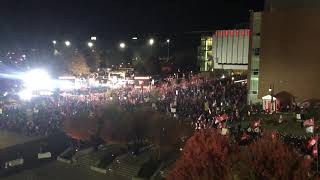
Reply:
x=222 y=117
x=308 y=122
x=257 y=123
x=244 y=136
x=312 y=142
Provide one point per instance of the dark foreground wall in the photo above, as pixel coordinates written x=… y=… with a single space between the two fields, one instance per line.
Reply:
x=290 y=53
x=29 y=151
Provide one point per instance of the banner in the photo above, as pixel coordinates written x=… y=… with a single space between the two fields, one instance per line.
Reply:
x=16 y=162
x=44 y=155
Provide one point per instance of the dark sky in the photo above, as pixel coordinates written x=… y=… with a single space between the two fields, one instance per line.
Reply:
x=37 y=21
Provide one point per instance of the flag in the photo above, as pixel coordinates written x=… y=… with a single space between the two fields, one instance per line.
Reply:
x=222 y=117
x=206 y=106
x=312 y=142
x=308 y=122
x=310 y=129
x=257 y=123
x=244 y=136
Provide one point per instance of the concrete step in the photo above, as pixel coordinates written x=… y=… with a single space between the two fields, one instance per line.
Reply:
x=124 y=169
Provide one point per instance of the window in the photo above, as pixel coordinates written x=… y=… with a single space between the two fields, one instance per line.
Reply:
x=256 y=51
x=255 y=71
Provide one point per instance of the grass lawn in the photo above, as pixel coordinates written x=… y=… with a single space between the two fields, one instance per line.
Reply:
x=270 y=122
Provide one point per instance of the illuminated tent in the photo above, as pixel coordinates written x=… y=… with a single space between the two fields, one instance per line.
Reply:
x=270 y=103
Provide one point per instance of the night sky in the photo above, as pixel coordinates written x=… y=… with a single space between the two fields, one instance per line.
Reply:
x=27 y=22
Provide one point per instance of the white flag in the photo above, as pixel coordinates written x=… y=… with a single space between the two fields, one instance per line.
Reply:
x=310 y=129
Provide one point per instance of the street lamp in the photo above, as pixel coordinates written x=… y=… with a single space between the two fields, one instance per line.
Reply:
x=168 y=42
x=90 y=44
x=151 y=42
x=122 y=45
x=54 y=42
x=67 y=43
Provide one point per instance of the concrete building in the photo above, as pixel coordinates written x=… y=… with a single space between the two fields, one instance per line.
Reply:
x=205 y=56
x=284 y=52
x=254 y=58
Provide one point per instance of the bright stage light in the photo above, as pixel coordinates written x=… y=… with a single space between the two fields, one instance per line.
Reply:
x=38 y=79
x=114 y=79
x=25 y=94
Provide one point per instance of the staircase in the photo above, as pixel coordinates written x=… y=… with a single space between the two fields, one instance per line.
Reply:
x=90 y=159
x=124 y=169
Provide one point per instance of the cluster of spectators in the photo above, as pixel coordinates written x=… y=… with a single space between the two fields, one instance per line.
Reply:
x=45 y=115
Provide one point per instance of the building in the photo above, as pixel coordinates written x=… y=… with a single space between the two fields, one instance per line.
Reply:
x=254 y=57
x=205 y=57
x=284 y=52
x=231 y=49
x=224 y=50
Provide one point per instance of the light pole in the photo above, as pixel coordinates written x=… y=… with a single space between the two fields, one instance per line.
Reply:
x=168 y=42
x=54 y=42
x=90 y=44
x=122 y=45
x=67 y=43
x=151 y=42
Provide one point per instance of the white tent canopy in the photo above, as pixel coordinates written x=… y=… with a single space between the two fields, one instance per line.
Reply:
x=268 y=97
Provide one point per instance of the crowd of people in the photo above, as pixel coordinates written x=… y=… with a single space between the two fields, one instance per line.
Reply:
x=219 y=103
x=45 y=115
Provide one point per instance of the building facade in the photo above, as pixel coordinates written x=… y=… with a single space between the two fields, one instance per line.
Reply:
x=254 y=58
x=224 y=50
x=231 y=49
x=288 y=54
x=205 y=56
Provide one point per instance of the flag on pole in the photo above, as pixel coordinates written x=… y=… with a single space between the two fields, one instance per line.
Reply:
x=309 y=122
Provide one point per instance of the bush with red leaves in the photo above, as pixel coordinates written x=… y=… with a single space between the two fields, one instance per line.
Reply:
x=206 y=155
x=270 y=158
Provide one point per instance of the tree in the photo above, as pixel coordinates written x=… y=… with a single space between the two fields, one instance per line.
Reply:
x=270 y=158
x=77 y=64
x=93 y=60
x=206 y=155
